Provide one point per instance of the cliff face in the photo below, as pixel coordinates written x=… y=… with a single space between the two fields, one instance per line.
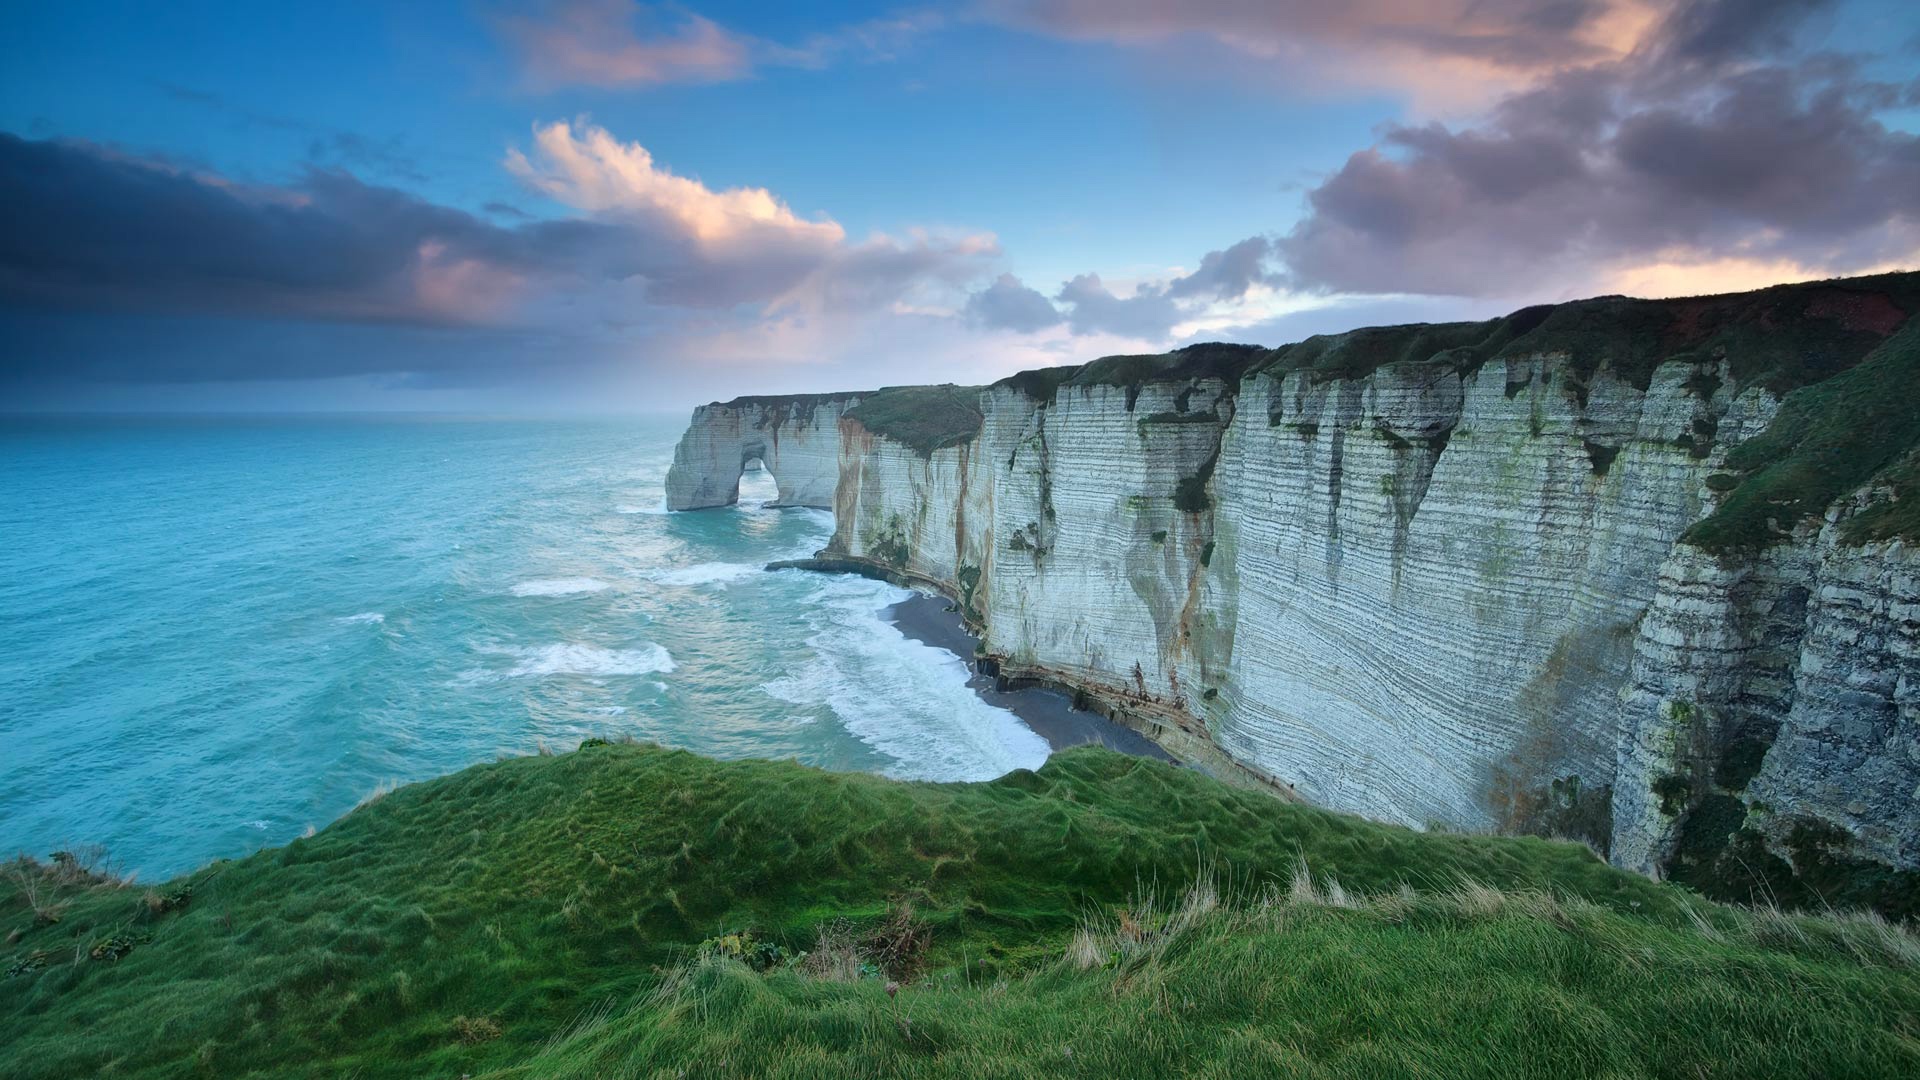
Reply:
x=1441 y=587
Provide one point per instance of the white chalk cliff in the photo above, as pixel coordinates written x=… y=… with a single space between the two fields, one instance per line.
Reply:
x=1442 y=588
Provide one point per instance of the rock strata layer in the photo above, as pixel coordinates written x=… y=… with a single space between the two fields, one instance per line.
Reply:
x=1433 y=589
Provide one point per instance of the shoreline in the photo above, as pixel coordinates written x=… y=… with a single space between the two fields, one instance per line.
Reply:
x=931 y=620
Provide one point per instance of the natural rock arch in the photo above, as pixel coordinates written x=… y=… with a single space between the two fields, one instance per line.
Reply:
x=797 y=439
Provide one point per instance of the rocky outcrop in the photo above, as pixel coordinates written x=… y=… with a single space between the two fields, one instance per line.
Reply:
x=796 y=436
x=1436 y=575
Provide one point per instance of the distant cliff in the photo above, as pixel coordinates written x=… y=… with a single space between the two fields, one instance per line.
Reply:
x=1643 y=572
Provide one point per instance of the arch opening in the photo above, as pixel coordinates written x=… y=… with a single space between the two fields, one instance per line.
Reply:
x=757 y=486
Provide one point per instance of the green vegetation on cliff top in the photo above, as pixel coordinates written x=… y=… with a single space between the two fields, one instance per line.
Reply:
x=926 y=418
x=631 y=911
x=1828 y=440
x=1782 y=338
x=1210 y=360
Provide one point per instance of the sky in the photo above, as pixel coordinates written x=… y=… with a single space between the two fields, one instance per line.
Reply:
x=608 y=206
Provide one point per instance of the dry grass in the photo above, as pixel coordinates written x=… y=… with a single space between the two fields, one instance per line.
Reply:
x=1148 y=926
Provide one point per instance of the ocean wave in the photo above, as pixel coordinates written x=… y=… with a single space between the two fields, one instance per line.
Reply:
x=559 y=586
x=710 y=573
x=822 y=522
x=363 y=617
x=908 y=700
x=628 y=508
x=570 y=658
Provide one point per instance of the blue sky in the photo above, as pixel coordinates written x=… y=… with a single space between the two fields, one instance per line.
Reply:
x=609 y=205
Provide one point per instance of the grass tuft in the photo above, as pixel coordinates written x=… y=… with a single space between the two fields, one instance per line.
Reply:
x=629 y=910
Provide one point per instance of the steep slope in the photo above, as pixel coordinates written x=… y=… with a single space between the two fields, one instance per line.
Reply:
x=1541 y=573
x=602 y=913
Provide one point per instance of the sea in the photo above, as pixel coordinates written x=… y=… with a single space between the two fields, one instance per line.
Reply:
x=218 y=634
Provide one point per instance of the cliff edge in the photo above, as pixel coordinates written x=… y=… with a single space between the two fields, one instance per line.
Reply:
x=1639 y=572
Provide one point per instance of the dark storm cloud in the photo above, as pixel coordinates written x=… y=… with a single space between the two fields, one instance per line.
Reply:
x=81 y=227
x=1714 y=139
x=85 y=230
x=1734 y=30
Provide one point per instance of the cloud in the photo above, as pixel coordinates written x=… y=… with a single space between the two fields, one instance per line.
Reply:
x=619 y=43
x=694 y=245
x=1008 y=304
x=596 y=43
x=699 y=247
x=1434 y=46
x=1717 y=140
x=642 y=256
x=83 y=227
x=1228 y=274
x=1150 y=312
x=1092 y=308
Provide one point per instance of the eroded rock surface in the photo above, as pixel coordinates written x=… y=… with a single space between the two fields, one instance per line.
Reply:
x=1446 y=590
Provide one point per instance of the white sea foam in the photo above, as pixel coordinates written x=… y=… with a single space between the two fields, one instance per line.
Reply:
x=710 y=573
x=559 y=586
x=570 y=658
x=905 y=699
x=363 y=617
x=655 y=508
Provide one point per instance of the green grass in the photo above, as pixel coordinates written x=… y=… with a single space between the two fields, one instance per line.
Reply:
x=1312 y=981
x=1783 y=337
x=1208 y=360
x=1829 y=439
x=1894 y=513
x=1358 y=353
x=926 y=418
x=544 y=916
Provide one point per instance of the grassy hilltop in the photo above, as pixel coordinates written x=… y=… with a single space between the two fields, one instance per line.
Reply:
x=631 y=911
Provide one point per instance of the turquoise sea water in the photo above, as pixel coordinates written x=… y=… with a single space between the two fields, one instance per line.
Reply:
x=215 y=634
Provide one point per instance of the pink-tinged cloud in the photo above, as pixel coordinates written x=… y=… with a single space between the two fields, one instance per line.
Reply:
x=1443 y=50
x=597 y=43
x=1723 y=143
x=591 y=170
x=642 y=259
x=700 y=247
x=621 y=43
